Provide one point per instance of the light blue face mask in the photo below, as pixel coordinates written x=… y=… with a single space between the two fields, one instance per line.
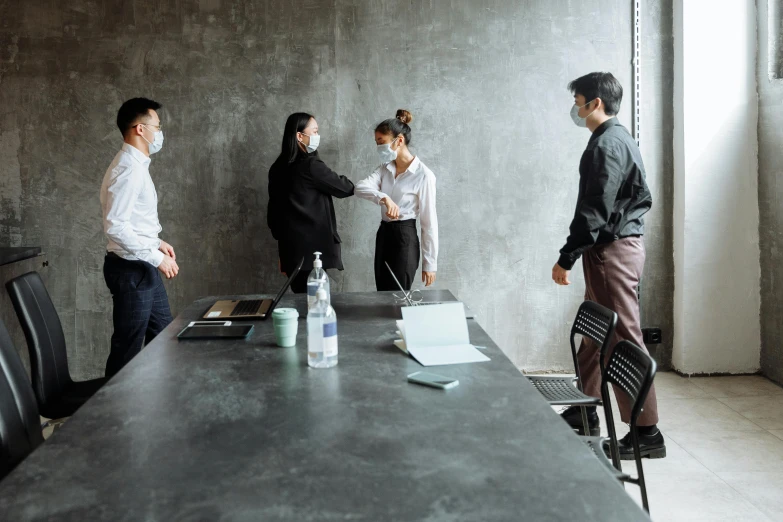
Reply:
x=578 y=120
x=157 y=143
x=386 y=153
x=315 y=140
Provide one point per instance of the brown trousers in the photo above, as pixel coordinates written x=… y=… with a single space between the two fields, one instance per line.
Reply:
x=612 y=274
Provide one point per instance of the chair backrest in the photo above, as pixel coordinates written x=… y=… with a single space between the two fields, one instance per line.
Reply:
x=595 y=322
x=20 y=426
x=632 y=370
x=45 y=338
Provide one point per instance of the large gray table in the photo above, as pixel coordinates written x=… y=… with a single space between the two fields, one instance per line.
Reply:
x=243 y=430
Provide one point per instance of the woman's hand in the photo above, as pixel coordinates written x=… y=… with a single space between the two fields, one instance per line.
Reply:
x=392 y=210
x=427 y=278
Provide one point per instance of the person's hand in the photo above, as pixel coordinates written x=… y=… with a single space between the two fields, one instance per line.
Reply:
x=168 y=267
x=280 y=265
x=427 y=278
x=560 y=275
x=167 y=249
x=392 y=210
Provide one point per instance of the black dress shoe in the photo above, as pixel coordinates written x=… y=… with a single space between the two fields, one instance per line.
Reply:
x=650 y=446
x=573 y=416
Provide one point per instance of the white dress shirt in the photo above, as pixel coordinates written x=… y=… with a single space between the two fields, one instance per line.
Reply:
x=414 y=192
x=130 y=208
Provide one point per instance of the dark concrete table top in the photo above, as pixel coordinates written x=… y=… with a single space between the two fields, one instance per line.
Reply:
x=14 y=254
x=245 y=431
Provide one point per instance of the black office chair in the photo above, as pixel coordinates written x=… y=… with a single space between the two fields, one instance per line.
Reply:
x=57 y=394
x=20 y=429
x=597 y=323
x=632 y=371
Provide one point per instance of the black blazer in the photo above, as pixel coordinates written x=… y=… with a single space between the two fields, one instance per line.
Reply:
x=301 y=211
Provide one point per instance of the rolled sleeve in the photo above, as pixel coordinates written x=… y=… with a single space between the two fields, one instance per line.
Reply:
x=370 y=187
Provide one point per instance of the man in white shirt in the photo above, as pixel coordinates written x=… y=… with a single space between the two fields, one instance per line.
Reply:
x=135 y=255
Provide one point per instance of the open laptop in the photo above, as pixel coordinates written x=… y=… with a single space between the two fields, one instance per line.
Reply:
x=249 y=308
x=468 y=312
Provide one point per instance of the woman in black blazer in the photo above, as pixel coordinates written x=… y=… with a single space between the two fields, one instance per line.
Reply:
x=301 y=211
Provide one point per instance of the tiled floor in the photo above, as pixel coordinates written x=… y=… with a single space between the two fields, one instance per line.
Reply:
x=724 y=442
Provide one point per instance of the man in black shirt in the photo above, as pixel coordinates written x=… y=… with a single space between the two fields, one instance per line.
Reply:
x=607 y=233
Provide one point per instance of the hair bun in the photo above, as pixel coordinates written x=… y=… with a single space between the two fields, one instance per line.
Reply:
x=404 y=116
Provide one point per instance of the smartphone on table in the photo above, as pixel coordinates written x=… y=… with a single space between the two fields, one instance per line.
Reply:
x=433 y=379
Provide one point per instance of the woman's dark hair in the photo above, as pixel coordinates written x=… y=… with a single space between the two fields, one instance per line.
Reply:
x=290 y=149
x=599 y=85
x=397 y=125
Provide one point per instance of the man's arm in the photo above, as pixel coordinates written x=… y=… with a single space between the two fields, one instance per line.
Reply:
x=122 y=194
x=596 y=207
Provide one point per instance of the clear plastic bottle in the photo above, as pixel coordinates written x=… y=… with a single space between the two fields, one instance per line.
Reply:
x=318 y=278
x=321 y=333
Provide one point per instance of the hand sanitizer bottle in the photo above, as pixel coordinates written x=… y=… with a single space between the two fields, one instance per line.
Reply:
x=321 y=333
x=317 y=279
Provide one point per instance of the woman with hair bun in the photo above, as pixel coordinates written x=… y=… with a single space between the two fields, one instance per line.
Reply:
x=405 y=189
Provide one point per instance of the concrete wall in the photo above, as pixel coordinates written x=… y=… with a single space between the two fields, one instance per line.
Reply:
x=485 y=80
x=770 y=134
x=716 y=218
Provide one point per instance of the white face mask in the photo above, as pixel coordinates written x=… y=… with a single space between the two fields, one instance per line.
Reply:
x=578 y=120
x=157 y=143
x=315 y=140
x=386 y=153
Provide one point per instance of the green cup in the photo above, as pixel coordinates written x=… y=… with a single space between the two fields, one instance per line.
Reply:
x=286 y=323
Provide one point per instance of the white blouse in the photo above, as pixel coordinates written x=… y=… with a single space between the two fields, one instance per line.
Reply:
x=414 y=192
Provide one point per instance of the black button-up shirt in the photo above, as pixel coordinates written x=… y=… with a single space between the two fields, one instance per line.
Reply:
x=613 y=194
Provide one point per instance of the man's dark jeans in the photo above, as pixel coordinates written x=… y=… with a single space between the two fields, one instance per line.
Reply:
x=141 y=308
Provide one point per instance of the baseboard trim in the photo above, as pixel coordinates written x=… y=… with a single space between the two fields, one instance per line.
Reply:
x=714 y=374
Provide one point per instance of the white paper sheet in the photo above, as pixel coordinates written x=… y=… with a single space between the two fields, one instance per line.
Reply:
x=437 y=335
x=443 y=355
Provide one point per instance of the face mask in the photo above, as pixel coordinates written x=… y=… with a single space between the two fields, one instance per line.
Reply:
x=157 y=143
x=386 y=153
x=315 y=139
x=579 y=121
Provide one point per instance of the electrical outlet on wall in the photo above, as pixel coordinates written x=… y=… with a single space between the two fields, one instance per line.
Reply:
x=652 y=335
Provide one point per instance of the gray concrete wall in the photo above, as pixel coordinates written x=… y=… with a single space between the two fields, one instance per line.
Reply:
x=770 y=133
x=485 y=80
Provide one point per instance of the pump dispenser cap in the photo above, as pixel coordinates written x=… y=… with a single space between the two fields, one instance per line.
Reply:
x=317 y=263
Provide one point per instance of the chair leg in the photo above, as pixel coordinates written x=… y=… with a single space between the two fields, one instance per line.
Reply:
x=585 y=423
x=637 y=455
x=614 y=448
